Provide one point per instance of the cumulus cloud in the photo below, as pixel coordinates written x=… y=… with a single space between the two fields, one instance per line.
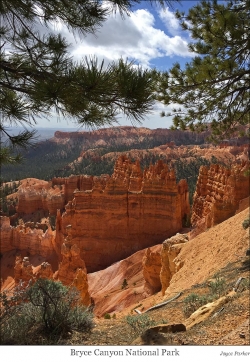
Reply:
x=169 y=20
x=135 y=37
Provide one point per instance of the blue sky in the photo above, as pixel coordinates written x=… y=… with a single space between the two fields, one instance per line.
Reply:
x=150 y=36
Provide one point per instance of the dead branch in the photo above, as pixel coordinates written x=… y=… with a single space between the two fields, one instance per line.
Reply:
x=164 y=303
x=237 y=284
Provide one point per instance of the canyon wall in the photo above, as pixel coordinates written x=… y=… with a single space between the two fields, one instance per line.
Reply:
x=124 y=213
x=218 y=194
x=128 y=135
x=112 y=217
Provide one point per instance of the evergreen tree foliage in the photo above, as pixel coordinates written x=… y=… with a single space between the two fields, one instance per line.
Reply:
x=38 y=75
x=213 y=89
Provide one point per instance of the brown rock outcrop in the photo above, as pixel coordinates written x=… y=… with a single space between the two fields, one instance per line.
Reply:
x=218 y=194
x=170 y=249
x=71 y=260
x=126 y=212
x=151 y=263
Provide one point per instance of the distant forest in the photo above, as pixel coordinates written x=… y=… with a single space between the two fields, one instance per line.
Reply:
x=48 y=159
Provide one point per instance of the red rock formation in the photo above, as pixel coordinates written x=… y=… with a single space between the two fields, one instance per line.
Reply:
x=37 y=196
x=170 y=249
x=44 y=271
x=59 y=238
x=81 y=283
x=125 y=212
x=6 y=234
x=23 y=271
x=72 y=269
x=73 y=183
x=34 y=241
x=32 y=196
x=184 y=194
x=151 y=263
x=218 y=194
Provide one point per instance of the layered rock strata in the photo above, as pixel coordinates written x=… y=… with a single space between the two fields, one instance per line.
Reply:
x=126 y=212
x=218 y=194
x=129 y=135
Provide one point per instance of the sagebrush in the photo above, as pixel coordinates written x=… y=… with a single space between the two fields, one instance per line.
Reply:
x=139 y=323
x=42 y=313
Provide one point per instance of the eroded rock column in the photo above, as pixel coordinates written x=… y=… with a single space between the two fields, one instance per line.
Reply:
x=170 y=249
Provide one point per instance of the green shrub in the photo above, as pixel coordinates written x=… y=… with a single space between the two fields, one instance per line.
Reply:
x=193 y=302
x=42 y=313
x=124 y=284
x=141 y=322
x=246 y=223
x=244 y=285
x=107 y=316
x=218 y=287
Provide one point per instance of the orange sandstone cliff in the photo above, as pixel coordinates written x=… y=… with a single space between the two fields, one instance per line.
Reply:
x=111 y=216
x=124 y=213
x=218 y=194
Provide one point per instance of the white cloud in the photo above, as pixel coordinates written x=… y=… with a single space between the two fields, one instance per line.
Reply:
x=169 y=20
x=134 y=37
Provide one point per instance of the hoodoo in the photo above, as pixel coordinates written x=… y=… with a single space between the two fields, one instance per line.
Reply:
x=124 y=213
